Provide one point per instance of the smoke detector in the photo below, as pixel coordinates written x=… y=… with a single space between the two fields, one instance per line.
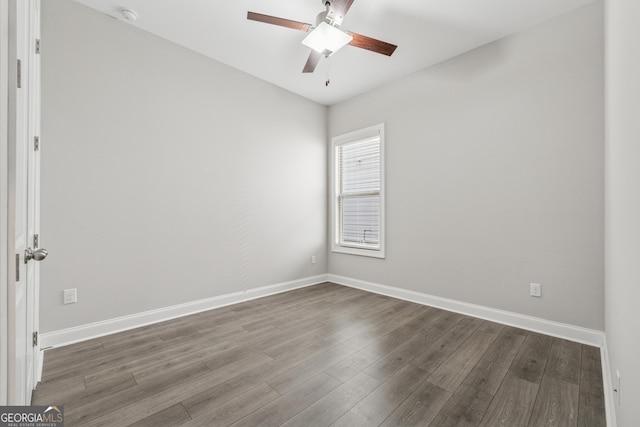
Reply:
x=129 y=15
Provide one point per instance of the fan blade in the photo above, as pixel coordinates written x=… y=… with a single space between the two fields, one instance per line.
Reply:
x=364 y=42
x=312 y=62
x=274 y=20
x=339 y=9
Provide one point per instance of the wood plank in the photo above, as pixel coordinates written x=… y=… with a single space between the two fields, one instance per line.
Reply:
x=222 y=332
x=164 y=392
x=400 y=335
x=291 y=404
x=55 y=392
x=591 y=373
x=564 y=361
x=236 y=408
x=420 y=408
x=385 y=323
x=381 y=305
x=380 y=403
x=512 y=404
x=88 y=408
x=219 y=392
x=591 y=408
x=503 y=350
x=438 y=351
x=438 y=322
x=452 y=372
x=532 y=358
x=183 y=333
x=308 y=369
x=307 y=340
x=230 y=360
x=488 y=374
x=172 y=416
x=350 y=366
x=466 y=408
x=330 y=407
x=557 y=404
x=486 y=379
x=131 y=340
x=108 y=359
x=98 y=391
x=184 y=353
x=61 y=355
x=92 y=383
x=491 y=328
x=301 y=305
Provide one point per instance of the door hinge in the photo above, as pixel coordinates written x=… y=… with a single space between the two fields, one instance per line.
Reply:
x=36 y=143
x=38 y=46
x=35 y=339
x=36 y=239
x=17 y=267
x=19 y=76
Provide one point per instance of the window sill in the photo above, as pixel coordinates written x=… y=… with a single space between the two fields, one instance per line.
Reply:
x=371 y=253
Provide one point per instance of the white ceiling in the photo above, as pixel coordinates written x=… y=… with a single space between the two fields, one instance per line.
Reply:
x=426 y=32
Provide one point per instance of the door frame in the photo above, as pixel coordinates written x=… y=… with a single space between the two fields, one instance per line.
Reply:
x=16 y=24
x=5 y=230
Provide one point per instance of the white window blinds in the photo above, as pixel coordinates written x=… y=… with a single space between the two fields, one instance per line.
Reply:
x=358 y=201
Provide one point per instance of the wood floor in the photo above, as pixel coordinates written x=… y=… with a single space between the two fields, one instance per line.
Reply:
x=325 y=355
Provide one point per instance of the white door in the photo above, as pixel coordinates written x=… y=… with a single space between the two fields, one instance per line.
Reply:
x=23 y=199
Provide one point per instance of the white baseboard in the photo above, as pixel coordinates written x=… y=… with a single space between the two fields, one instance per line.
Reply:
x=609 y=397
x=93 y=330
x=97 y=329
x=535 y=324
x=40 y=365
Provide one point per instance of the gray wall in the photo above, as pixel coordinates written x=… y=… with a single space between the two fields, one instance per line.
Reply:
x=167 y=177
x=495 y=174
x=622 y=204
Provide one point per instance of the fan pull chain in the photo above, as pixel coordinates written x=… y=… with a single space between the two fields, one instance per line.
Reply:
x=328 y=81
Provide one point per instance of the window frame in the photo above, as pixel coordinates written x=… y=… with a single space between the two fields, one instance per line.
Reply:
x=336 y=141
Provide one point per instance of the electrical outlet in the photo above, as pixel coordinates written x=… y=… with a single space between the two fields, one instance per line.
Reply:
x=535 y=289
x=70 y=296
x=313 y=259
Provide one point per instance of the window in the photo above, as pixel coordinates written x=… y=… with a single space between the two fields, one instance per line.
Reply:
x=358 y=198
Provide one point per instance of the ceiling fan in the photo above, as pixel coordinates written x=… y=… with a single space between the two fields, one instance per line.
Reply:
x=326 y=38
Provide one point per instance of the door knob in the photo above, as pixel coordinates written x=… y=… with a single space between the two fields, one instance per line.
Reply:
x=38 y=254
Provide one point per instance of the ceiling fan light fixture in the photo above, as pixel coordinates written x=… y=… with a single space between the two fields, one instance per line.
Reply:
x=326 y=39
